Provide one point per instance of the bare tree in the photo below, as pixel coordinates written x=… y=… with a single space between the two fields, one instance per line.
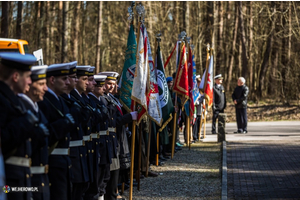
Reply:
x=65 y=33
x=19 y=20
x=4 y=19
x=99 y=37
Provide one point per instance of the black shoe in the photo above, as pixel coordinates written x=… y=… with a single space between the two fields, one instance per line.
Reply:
x=161 y=158
x=213 y=133
x=238 y=132
x=245 y=132
x=178 y=148
x=166 y=157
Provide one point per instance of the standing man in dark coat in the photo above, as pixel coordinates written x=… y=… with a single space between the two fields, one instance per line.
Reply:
x=219 y=103
x=62 y=122
x=39 y=143
x=16 y=123
x=239 y=98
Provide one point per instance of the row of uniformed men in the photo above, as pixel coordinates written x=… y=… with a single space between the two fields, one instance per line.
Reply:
x=59 y=129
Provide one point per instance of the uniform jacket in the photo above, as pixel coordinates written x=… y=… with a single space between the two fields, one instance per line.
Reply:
x=16 y=133
x=77 y=153
x=219 y=103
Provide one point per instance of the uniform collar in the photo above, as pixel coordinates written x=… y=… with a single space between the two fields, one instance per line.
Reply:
x=53 y=93
x=34 y=105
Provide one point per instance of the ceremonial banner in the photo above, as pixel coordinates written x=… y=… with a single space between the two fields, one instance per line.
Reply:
x=191 y=83
x=141 y=76
x=154 y=107
x=128 y=71
x=181 y=84
x=196 y=94
x=164 y=93
x=208 y=90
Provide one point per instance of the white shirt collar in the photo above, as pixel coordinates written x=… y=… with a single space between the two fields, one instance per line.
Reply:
x=33 y=104
x=94 y=95
x=77 y=92
x=51 y=91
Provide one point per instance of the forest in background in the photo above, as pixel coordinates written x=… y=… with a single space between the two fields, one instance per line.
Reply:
x=258 y=40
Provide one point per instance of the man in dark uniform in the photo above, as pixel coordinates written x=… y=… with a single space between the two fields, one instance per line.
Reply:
x=39 y=168
x=16 y=123
x=219 y=102
x=239 y=98
x=61 y=123
x=103 y=144
x=116 y=122
x=96 y=117
x=80 y=174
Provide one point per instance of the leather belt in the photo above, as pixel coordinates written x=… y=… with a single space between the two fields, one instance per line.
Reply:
x=19 y=161
x=104 y=132
x=61 y=151
x=111 y=129
x=87 y=138
x=39 y=169
x=95 y=135
x=76 y=143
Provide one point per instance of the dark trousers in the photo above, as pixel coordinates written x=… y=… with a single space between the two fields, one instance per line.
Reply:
x=60 y=188
x=103 y=178
x=241 y=119
x=78 y=190
x=196 y=128
x=215 y=116
x=112 y=185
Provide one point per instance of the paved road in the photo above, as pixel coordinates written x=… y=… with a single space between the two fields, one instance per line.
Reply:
x=265 y=163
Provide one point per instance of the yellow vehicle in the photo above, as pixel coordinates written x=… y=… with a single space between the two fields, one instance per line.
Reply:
x=13 y=45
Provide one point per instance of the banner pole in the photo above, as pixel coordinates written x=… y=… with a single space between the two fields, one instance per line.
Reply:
x=191 y=132
x=132 y=155
x=138 y=173
x=148 y=148
x=187 y=130
x=174 y=128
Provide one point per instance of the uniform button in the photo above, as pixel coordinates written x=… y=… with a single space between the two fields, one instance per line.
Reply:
x=66 y=138
x=26 y=156
x=113 y=136
x=49 y=184
x=27 y=175
x=78 y=128
x=29 y=139
x=88 y=128
x=43 y=184
x=41 y=164
x=96 y=143
x=107 y=141
x=104 y=122
x=70 y=166
x=80 y=155
x=112 y=118
x=93 y=151
x=89 y=151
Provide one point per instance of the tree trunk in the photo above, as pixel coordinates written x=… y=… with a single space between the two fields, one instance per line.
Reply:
x=221 y=51
x=264 y=65
x=65 y=33
x=251 y=81
x=187 y=18
x=99 y=37
x=243 y=40
x=76 y=31
x=233 y=49
x=4 y=19
x=47 y=32
x=19 y=20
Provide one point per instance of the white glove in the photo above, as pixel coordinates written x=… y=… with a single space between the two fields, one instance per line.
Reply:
x=134 y=115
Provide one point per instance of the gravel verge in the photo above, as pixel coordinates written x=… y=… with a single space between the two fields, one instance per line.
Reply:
x=191 y=174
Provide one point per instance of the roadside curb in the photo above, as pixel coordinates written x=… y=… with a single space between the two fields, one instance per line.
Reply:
x=224 y=171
